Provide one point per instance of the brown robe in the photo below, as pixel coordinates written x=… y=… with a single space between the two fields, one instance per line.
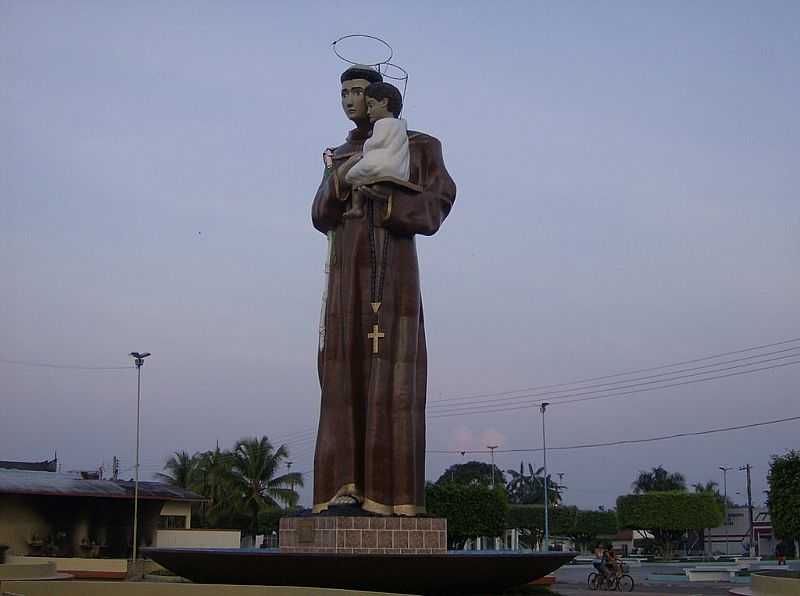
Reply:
x=371 y=438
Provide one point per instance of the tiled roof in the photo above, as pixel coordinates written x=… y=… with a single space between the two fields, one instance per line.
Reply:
x=37 y=466
x=71 y=484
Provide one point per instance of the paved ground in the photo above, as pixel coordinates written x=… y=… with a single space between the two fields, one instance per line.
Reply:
x=565 y=590
x=571 y=581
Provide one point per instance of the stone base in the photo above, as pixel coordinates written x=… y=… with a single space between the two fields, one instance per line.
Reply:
x=368 y=535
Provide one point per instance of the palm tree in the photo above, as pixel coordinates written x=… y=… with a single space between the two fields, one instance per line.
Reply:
x=658 y=480
x=254 y=464
x=180 y=470
x=213 y=480
x=529 y=490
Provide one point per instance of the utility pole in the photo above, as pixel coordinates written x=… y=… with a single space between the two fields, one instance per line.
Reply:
x=753 y=545
x=138 y=359
x=725 y=503
x=546 y=541
x=491 y=448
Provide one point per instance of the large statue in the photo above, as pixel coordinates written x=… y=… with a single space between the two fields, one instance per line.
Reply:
x=372 y=358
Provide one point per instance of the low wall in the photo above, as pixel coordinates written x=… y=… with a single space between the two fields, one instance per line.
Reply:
x=198 y=538
x=81 y=588
x=776 y=583
x=68 y=564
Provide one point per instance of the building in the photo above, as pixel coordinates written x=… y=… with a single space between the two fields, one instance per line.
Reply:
x=734 y=537
x=73 y=514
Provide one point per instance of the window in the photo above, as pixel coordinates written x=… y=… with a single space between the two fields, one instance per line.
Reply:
x=172 y=522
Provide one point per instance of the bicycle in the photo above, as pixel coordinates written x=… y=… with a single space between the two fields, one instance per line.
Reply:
x=621 y=582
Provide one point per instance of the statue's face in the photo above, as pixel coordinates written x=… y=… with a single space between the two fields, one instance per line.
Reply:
x=377 y=109
x=353 y=99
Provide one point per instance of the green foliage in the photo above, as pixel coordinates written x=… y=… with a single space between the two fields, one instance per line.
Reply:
x=238 y=485
x=179 y=470
x=591 y=524
x=658 y=480
x=471 y=510
x=529 y=490
x=712 y=488
x=269 y=520
x=668 y=515
x=529 y=519
x=581 y=526
x=784 y=495
x=472 y=472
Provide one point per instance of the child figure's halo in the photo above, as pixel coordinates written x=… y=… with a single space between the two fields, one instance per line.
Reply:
x=383 y=66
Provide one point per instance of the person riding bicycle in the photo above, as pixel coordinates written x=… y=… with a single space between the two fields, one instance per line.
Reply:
x=601 y=562
x=613 y=562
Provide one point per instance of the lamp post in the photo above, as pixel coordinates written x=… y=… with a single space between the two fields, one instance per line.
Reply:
x=491 y=448
x=546 y=541
x=138 y=358
x=725 y=503
x=753 y=543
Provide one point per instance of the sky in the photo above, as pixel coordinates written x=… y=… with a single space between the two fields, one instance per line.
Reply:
x=627 y=198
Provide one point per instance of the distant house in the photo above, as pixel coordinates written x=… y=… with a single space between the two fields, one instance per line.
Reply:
x=733 y=537
x=74 y=514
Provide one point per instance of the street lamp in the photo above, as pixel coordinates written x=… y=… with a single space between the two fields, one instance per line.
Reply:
x=546 y=542
x=138 y=359
x=491 y=448
x=725 y=503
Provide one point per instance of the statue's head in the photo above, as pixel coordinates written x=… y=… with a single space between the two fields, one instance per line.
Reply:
x=355 y=81
x=383 y=101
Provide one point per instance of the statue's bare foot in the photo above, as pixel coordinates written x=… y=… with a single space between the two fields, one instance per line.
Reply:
x=345 y=500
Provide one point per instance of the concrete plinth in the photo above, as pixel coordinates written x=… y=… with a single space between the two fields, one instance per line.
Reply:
x=363 y=535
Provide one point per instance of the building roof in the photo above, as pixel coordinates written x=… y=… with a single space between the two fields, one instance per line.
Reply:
x=71 y=484
x=40 y=466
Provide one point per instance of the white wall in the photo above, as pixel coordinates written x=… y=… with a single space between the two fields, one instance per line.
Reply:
x=199 y=538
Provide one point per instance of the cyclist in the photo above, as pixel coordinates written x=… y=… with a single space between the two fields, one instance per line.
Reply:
x=613 y=562
x=601 y=562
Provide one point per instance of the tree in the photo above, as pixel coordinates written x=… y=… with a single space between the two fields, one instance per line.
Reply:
x=471 y=510
x=529 y=490
x=668 y=515
x=529 y=520
x=238 y=485
x=180 y=470
x=473 y=472
x=658 y=480
x=591 y=524
x=254 y=464
x=784 y=495
x=214 y=481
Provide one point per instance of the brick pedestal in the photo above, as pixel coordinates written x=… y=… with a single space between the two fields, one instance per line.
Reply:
x=363 y=535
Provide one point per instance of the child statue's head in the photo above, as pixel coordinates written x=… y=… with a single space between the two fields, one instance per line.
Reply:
x=383 y=101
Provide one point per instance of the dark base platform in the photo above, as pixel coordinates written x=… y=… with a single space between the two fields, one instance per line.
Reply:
x=416 y=574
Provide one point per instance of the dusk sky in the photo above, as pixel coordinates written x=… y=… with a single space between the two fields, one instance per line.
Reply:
x=627 y=174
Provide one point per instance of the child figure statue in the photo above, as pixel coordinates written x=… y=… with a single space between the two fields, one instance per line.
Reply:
x=385 y=156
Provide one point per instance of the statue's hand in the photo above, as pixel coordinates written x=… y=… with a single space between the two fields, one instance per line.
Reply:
x=347 y=166
x=375 y=191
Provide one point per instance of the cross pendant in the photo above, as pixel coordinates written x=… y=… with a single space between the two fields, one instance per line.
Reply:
x=375 y=336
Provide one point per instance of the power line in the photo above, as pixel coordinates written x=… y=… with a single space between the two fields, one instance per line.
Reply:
x=669 y=376
x=629 y=441
x=61 y=366
x=626 y=373
x=477 y=409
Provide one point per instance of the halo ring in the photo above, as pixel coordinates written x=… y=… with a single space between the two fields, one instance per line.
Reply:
x=363 y=35
x=399 y=73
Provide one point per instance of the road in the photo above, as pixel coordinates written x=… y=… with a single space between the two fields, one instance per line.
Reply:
x=571 y=581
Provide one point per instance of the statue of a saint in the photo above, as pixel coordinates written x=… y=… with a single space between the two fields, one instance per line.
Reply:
x=372 y=358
